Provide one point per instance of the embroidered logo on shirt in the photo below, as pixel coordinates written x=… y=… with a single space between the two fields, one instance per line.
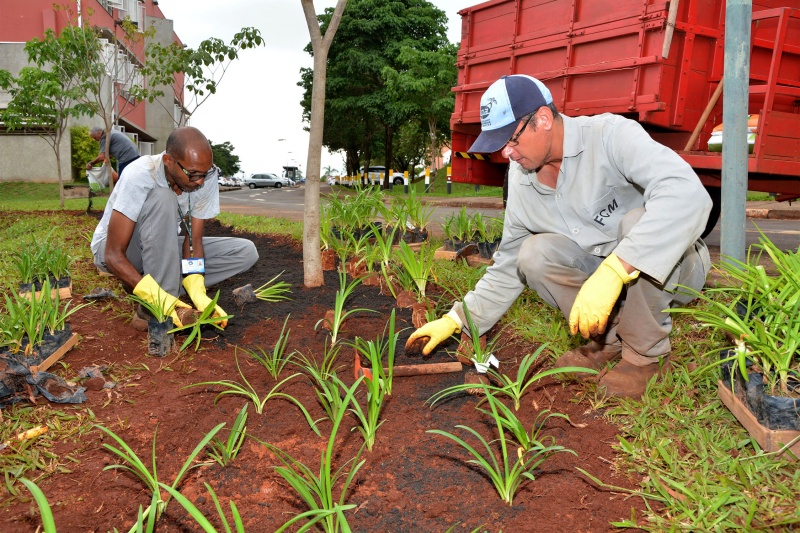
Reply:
x=606 y=212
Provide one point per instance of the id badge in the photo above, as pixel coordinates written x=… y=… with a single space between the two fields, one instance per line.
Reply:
x=193 y=265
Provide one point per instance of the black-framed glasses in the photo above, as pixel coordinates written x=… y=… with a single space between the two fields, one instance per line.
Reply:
x=514 y=140
x=196 y=176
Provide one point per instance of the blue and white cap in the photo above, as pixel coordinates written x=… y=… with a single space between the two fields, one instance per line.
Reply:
x=503 y=105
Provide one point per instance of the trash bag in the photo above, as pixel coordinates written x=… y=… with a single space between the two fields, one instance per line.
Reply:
x=18 y=384
x=98 y=178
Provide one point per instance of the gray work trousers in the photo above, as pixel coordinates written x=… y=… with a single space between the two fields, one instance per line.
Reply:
x=556 y=267
x=156 y=247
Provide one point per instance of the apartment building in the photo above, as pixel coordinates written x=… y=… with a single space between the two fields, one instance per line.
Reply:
x=24 y=156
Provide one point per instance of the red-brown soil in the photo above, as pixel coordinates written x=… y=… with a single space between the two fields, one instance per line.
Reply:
x=412 y=481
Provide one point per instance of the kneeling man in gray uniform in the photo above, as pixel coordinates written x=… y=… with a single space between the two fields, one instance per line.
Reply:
x=151 y=233
x=602 y=222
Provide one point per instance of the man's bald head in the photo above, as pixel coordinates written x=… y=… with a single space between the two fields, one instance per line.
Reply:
x=187 y=141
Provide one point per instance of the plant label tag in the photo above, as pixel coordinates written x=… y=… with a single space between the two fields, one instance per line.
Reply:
x=481 y=368
x=493 y=361
x=193 y=265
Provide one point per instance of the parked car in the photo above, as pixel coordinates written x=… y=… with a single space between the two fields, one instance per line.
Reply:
x=375 y=176
x=267 y=180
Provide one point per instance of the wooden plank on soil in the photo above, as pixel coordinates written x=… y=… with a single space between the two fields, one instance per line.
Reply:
x=441 y=253
x=55 y=356
x=63 y=292
x=478 y=260
x=771 y=440
x=416 y=246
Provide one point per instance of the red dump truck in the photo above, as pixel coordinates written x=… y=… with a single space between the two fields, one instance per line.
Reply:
x=658 y=62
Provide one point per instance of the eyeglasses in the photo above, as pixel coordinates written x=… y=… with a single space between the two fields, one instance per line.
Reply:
x=196 y=176
x=514 y=140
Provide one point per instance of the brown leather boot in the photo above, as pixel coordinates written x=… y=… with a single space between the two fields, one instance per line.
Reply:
x=140 y=318
x=627 y=380
x=593 y=355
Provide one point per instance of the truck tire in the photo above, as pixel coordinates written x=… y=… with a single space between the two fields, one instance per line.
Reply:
x=716 y=206
x=252 y=185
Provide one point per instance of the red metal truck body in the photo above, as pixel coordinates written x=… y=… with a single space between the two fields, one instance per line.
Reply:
x=600 y=56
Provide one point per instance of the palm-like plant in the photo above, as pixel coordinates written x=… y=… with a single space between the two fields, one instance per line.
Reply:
x=417 y=267
x=509 y=471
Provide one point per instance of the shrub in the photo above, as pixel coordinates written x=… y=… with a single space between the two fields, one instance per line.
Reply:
x=84 y=149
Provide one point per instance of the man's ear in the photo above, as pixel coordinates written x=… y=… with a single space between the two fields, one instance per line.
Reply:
x=544 y=118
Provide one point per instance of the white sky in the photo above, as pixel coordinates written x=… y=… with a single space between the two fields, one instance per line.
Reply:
x=258 y=100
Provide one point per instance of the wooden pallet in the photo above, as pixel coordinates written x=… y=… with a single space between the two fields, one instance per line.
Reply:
x=771 y=440
x=55 y=356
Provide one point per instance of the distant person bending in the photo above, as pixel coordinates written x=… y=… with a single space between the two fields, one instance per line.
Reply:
x=156 y=217
x=121 y=148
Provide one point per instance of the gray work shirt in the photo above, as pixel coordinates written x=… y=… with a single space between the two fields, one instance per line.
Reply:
x=610 y=166
x=122 y=148
x=143 y=175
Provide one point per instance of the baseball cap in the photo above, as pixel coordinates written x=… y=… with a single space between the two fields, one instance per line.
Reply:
x=503 y=104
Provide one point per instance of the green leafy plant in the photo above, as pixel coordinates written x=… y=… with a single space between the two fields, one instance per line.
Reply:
x=416 y=266
x=205 y=319
x=375 y=350
x=48 y=523
x=369 y=420
x=339 y=312
x=155 y=309
x=133 y=464
x=201 y=520
x=763 y=313
x=277 y=360
x=528 y=440
x=512 y=387
x=317 y=489
x=273 y=291
x=224 y=451
x=507 y=473
x=321 y=376
x=237 y=389
x=480 y=354
x=419 y=214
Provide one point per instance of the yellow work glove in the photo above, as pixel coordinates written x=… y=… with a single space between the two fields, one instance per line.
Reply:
x=436 y=332
x=195 y=285
x=148 y=290
x=597 y=297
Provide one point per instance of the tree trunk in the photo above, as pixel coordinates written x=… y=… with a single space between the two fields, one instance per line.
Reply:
x=388 y=164
x=312 y=262
x=57 y=148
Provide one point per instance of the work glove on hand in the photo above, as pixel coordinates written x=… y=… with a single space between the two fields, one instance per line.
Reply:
x=436 y=331
x=148 y=290
x=597 y=297
x=195 y=285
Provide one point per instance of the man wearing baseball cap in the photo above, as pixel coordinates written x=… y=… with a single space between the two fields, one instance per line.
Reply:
x=602 y=222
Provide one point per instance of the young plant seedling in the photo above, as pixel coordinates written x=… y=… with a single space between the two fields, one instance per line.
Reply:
x=237 y=389
x=223 y=452
x=273 y=291
x=508 y=473
x=276 y=361
x=339 y=313
x=205 y=319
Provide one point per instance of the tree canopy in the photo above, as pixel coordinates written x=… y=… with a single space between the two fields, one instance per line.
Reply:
x=224 y=158
x=367 y=96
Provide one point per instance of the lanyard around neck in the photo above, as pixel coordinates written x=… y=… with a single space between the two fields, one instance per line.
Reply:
x=187 y=223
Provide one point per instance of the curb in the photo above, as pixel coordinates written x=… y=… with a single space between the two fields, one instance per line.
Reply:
x=773 y=214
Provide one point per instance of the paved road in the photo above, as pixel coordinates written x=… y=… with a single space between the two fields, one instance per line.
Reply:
x=288 y=203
